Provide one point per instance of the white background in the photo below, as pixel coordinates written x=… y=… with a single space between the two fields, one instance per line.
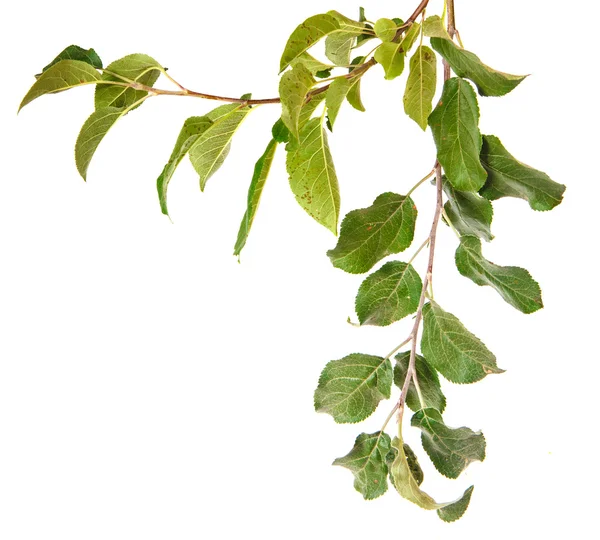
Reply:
x=151 y=387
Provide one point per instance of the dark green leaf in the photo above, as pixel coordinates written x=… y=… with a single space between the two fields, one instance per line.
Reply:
x=351 y=388
x=192 y=128
x=385 y=29
x=451 y=349
x=455 y=127
x=361 y=14
x=325 y=74
x=469 y=213
x=280 y=132
x=508 y=177
x=420 y=87
x=429 y=383
x=514 y=284
x=61 y=76
x=74 y=52
x=312 y=174
x=338 y=90
x=450 y=449
x=261 y=171
x=391 y=57
x=389 y=294
x=413 y=464
x=465 y=64
x=434 y=27
x=367 y=461
x=457 y=509
x=370 y=234
x=293 y=89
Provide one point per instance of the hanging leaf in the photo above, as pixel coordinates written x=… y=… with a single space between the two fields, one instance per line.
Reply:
x=61 y=76
x=457 y=509
x=452 y=350
x=351 y=388
x=450 y=449
x=370 y=234
x=465 y=64
x=455 y=127
x=429 y=383
x=469 y=213
x=337 y=93
x=280 y=132
x=75 y=52
x=420 y=86
x=410 y=37
x=367 y=462
x=391 y=58
x=508 y=177
x=353 y=95
x=514 y=284
x=388 y=295
x=293 y=89
x=312 y=175
x=434 y=27
x=339 y=44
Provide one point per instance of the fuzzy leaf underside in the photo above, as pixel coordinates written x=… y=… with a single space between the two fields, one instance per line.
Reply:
x=469 y=213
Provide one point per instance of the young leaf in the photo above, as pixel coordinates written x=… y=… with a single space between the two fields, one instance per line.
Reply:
x=339 y=44
x=420 y=87
x=74 y=52
x=261 y=171
x=508 y=177
x=351 y=388
x=454 y=124
x=514 y=284
x=451 y=349
x=293 y=88
x=312 y=64
x=450 y=449
x=391 y=58
x=370 y=234
x=338 y=90
x=385 y=29
x=61 y=76
x=469 y=213
x=434 y=27
x=389 y=294
x=410 y=37
x=210 y=149
x=192 y=128
x=367 y=462
x=429 y=383
x=457 y=509
x=465 y=64
x=312 y=174
x=306 y=35
x=140 y=68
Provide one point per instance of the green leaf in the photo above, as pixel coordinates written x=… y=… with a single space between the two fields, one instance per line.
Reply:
x=367 y=462
x=455 y=127
x=361 y=14
x=192 y=128
x=429 y=383
x=513 y=284
x=61 y=76
x=338 y=90
x=434 y=27
x=280 y=132
x=410 y=37
x=312 y=175
x=351 y=388
x=210 y=149
x=306 y=35
x=457 y=509
x=339 y=44
x=450 y=449
x=370 y=234
x=310 y=107
x=465 y=64
x=74 y=52
x=388 y=295
x=451 y=349
x=413 y=464
x=508 y=177
x=469 y=213
x=140 y=68
x=420 y=87
x=312 y=64
x=261 y=171
x=354 y=98
x=293 y=89
x=385 y=29
x=391 y=58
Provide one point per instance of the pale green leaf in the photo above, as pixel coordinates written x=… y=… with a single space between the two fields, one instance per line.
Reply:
x=338 y=90
x=61 y=76
x=434 y=27
x=389 y=294
x=192 y=128
x=465 y=64
x=455 y=127
x=367 y=462
x=312 y=64
x=139 y=68
x=354 y=97
x=508 y=177
x=410 y=37
x=75 y=52
x=450 y=449
x=210 y=149
x=452 y=350
x=429 y=383
x=306 y=35
x=312 y=174
x=370 y=234
x=391 y=58
x=310 y=107
x=514 y=284
x=457 y=509
x=420 y=86
x=385 y=29
x=293 y=89
x=469 y=213
x=261 y=171
x=339 y=44
x=351 y=388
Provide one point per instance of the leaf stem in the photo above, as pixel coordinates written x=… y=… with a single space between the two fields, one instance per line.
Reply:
x=424 y=179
